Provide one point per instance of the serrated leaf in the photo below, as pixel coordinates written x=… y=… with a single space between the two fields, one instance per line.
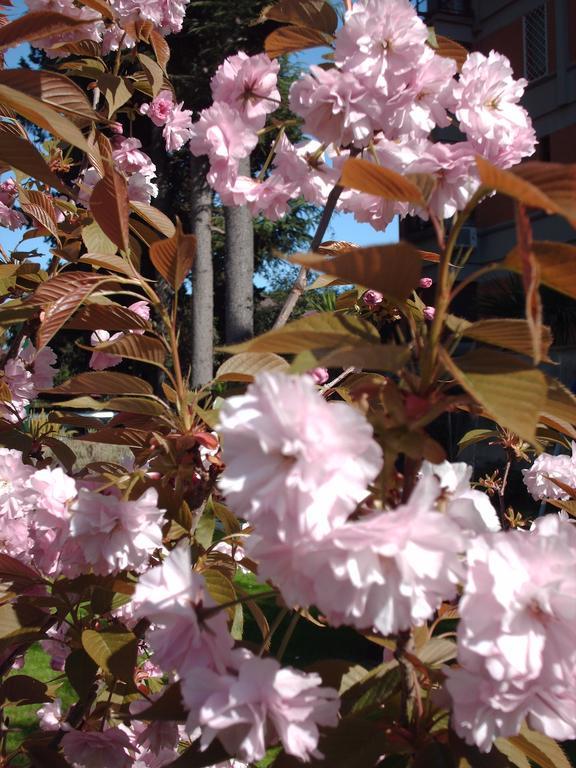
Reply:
x=44 y=116
x=556 y=261
x=290 y=39
x=161 y=48
x=133 y=347
x=22 y=155
x=323 y=330
x=111 y=317
x=514 y=755
x=102 y=383
x=560 y=403
x=437 y=650
x=244 y=366
x=512 y=393
x=114 y=652
x=219 y=586
x=392 y=269
x=548 y=186
x=174 y=257
x=540 y=749
x=509 y=334
x=153 y=72
x=51 y=88
x=376 y=180
x=40 y=207
x=110 y=207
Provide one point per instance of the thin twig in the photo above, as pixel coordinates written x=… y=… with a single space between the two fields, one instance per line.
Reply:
x=300 y=284
x=287 y=636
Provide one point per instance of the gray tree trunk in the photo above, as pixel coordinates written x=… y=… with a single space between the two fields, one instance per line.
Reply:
x=239 y=315
x=202 y=275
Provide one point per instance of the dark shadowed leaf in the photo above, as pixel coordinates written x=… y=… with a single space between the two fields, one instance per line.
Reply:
x=114 y=652
x=110 y=207
x=81 y=671
x=168 y=707
x=22 y=689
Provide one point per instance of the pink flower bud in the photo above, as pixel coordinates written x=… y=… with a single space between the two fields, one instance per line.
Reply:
x=372 y=298
x=116 y=128
x=425 y=282
x=320 y=375
x=429 y=313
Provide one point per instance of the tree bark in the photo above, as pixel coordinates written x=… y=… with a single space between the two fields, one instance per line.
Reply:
x=239 y=313
x=202 y=275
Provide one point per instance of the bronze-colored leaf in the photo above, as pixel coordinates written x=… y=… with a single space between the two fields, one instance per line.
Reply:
x=556 y=262
x=511 y=393
x=548 y=186
x=173 y=258
x=110 y=207
x=450 y=49
x=154 y=73
x=22 y=155
x=51 y=88
x=540 y=749
x=35 y=25
x=102 y=383
x=134 y=347
x=392 y=269
x=115 y=90
x=103 y=8
x=111 y=317
x=290 y=39
x=39 y=113
x=314 y=14
x=161 y=48
x=40 y=207
x=375 y=357
x=376 y=180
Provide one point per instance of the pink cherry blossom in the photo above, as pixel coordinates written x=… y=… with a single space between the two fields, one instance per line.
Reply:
x=335 y=106
x=178 y=128
x=221 y=134
x=114 y=534
x=160 y=108
x=248 y=84
x=319 y=375
x=304 y=166
x=99 y=361
x=8 y=192
x=41 y=364
x=92 y=29
x=296 y=465
x=50 y=715
x=271 y=197
x=487 y=98
x=10 y=218
x=49 y=523
x=170 y=596
x=517 y=635
x=539 y=478
x=260 y=705
x=95 y=749
x=381 y=41
x=425 y=282
x=16 y=501
x=429 y=313
x=57 y=647
x=372 y=298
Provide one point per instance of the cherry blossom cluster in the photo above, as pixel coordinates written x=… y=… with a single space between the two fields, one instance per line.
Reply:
x=539 y=478
x=8 y=216
x=165 y=15
x=136 y=166
x=292 y=474
x=176 y=122
x=24 y=376
x=386 y=91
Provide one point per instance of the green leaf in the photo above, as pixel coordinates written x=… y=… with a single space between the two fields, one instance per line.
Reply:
x=475 y=436
x=114 y=652
x=323 y=330
x=437 y=650
x=96 y=241
x=219 y=587
x=154 y=73
x=511 y=393
x=204 y=532
x=391 y=269
x=514 y=755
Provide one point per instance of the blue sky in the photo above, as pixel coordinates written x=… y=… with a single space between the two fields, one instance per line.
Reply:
x=342 y=227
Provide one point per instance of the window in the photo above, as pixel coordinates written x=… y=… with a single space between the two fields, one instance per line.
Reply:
x=535 y=43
